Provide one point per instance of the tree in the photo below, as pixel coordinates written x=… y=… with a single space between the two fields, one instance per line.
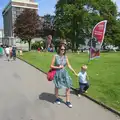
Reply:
x=75 y=19
x=26 y=25
x=116 y=34
x=47 y=25
x=108 y=11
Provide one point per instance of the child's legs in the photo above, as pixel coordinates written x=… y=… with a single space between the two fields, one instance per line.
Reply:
x=86 y=86
x=81 y=90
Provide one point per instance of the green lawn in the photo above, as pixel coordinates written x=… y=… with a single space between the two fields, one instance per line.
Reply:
x=104 y=73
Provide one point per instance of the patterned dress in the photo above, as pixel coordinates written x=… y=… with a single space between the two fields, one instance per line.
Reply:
x=61 y=78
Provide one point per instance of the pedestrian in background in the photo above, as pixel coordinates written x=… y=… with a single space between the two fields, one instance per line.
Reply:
x=7 y=52
x=14 y=53
x=1 y=51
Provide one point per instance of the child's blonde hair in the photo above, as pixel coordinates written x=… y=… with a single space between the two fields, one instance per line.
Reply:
x=84 y=67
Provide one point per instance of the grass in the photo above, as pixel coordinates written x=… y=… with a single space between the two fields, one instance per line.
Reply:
x=104 y=73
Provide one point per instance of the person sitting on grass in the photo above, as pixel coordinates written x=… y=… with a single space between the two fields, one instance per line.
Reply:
x=38 y=49
x=83 y=77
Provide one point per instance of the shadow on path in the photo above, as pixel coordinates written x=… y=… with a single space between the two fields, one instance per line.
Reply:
x=47 y=97
x=74 y=92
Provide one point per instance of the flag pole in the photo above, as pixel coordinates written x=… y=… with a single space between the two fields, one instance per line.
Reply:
x=98 y=33
x=90 y=51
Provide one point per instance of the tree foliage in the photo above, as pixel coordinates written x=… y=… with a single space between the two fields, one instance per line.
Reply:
x=75 y=19
x=26 y=25
x=47 y=25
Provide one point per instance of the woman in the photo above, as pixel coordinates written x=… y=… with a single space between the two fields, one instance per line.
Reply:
x=62 y=78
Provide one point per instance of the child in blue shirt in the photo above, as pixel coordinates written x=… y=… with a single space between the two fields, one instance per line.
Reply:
x=82 y=75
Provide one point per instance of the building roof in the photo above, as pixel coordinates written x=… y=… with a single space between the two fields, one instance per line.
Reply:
x=21 y=3
x=25 y=1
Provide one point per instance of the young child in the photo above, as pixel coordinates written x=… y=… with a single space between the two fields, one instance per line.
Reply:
x=83 y=80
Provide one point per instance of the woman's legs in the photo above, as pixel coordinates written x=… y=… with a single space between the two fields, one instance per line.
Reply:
x=57 y=98
x=68 y=98
x=58 y=101
x=68 y=94
x=56 y=92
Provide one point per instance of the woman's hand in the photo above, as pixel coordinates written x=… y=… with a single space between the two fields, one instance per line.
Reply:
x=61 y=66
x=55 y=67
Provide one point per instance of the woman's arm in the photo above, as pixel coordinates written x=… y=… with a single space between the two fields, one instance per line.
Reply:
x=53 y=62
x=69 y=66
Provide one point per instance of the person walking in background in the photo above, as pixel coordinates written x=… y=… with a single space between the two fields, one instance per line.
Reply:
x=7 y=52
x=14 y=53
x=83 y=77
x=62 y=78
x=10 y=49
x=1 y=50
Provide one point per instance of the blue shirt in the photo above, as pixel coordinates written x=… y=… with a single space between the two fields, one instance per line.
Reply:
x=82 y=77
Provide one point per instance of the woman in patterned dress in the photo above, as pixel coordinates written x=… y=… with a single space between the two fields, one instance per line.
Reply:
x=62 y=78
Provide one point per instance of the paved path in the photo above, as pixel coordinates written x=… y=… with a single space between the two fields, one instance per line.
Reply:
x=25 y=94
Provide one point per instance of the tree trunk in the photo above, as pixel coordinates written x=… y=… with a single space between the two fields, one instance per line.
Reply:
x=72 y=46
x=77 y=45
x=29 y=43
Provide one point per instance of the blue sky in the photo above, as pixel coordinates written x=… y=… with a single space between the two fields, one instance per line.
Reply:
x=45 y=7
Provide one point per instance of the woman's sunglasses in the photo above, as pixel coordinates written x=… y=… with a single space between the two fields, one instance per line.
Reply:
x=62 y=49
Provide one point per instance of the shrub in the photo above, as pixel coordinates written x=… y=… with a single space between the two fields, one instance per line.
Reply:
x=37 y=45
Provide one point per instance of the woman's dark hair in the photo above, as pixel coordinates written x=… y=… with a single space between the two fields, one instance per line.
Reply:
x=59 y=48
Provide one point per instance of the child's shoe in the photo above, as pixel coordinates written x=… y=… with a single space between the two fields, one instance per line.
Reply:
x=79 y=95
x=86 y=92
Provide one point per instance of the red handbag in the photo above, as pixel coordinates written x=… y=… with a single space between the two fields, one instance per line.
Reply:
x=51 y=74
